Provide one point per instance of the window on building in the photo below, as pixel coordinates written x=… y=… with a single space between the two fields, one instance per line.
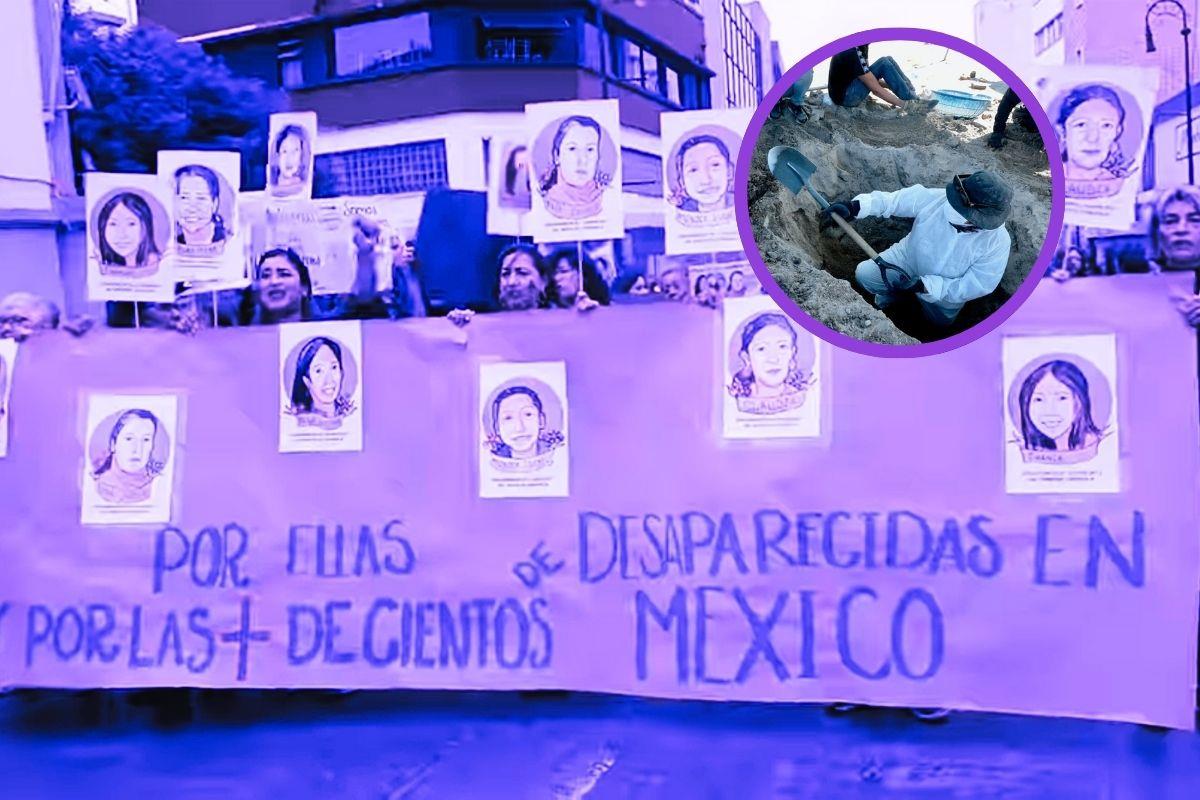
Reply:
x=641 y=173
x=1048 y=35
x=593 y=47
x=382 y=45
x=743 y=61
x=637 y=65
x=291 y=65
x=672 y=81
x=393 y=169
x=526 y=39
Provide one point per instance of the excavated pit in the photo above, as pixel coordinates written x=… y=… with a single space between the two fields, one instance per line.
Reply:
x=863 y=149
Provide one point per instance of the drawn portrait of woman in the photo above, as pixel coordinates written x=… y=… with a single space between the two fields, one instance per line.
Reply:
x=126 y=236
x=320 y=395
x=198 y=206
x=768 y=378
x=519 y=428
x=703 y=175
x=1055 y=408
x=1091 y=127
x=514 y=190
x=573 y=185
x=291 y=155
x=126 y=470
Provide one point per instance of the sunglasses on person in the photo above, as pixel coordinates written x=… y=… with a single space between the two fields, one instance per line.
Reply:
x=961 y=188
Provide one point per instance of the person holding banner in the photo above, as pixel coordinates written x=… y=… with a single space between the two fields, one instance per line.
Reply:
x=564 y=288
x=126 y=234
x=282 y=288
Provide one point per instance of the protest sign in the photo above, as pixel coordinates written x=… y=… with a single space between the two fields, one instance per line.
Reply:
x=128 y=236
x=205 y=237
x=290 y=148
x=699 y=159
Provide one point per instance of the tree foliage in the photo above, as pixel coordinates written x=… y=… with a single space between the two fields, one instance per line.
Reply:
x=150 y=92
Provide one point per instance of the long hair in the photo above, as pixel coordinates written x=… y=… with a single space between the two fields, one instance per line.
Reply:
x=1082 y=425
x=743 y=379
x=510 y=169
x=138 y=206
x=305 y=151
x=302 y=401
x=250 y=311
x=680 y=195
x=214 y=190
x=1115 y=162
x=498 y=446
x=535 y=256
x=551 y=176
x=593 y=283
x=106 y=462
x=1179 y=194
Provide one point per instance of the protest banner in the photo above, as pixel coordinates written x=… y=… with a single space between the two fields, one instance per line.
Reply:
x=883 y=563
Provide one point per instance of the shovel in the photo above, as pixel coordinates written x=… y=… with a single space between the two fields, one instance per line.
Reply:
x=793 y=170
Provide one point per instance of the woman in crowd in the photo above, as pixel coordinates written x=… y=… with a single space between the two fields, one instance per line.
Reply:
x=126 y=472
x=282 y=288
x=564 y=287
x=126 y=235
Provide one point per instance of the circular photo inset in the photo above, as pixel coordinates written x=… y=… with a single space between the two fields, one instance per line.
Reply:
x=522 y=419
x=320 y=376
x=127 y=452
x=129 y=231
x=203 y=207
x=877 y=214
x=574 y=162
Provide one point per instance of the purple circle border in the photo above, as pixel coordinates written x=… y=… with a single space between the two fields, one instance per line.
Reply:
x=809 y=323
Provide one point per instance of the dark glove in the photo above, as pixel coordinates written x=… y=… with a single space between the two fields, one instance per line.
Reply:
x=846 y=209
x=897 y=279
x=996 y=140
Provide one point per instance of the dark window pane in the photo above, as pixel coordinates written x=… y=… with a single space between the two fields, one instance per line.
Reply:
x=395 y=169
x=383 y=45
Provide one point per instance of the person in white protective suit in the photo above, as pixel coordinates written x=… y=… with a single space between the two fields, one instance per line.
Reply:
x=957 y=249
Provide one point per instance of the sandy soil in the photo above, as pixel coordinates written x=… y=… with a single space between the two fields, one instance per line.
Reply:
x=876 y=147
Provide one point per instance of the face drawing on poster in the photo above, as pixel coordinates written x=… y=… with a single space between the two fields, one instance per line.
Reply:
x=1091 y=123
x=514 y=191
x=291 y=154
x=125 y=234
x=519 y=430
x=768 y=380
x=704 y=171
x=126 y=471
x=573 y=185
x=317 y=386
x=197 y=207
x=1056 y=424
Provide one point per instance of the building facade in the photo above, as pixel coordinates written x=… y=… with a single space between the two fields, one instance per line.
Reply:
x=738 y=49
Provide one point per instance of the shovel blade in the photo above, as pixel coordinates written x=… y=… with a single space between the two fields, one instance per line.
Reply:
x=790 y=167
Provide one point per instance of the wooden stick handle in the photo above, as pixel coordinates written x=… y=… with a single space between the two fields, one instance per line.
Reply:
x=854 y=235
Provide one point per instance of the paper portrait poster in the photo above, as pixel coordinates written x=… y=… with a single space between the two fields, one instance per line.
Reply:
x=321 y=374
x=720 y=279
x=1101 y=117
x=128 y=236
x=8 y=361
x=204 y=234
x=770 y=373
x=576 y=151
x=524 y=446
x=129 y=458
x=509 y=184
x=292 y=137
x=700 y=150
x=1060 y=411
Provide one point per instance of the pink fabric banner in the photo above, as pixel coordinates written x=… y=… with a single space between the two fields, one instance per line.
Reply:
x=882 y=562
